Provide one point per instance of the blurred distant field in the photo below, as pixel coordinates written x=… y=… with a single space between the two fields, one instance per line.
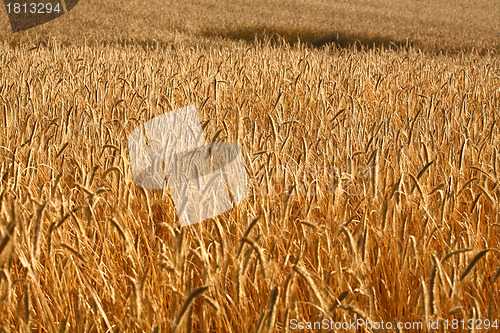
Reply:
x=434 y=25
x=373 y=160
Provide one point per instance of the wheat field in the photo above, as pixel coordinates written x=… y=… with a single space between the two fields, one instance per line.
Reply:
x=374 y=186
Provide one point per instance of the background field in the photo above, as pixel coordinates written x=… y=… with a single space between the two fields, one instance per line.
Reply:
x=432 y=25
x=374 y=172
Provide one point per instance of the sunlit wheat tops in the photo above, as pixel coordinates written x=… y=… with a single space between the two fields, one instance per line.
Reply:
x=374 y=188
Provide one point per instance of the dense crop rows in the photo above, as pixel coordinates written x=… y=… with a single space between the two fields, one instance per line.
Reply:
x=374 y=188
